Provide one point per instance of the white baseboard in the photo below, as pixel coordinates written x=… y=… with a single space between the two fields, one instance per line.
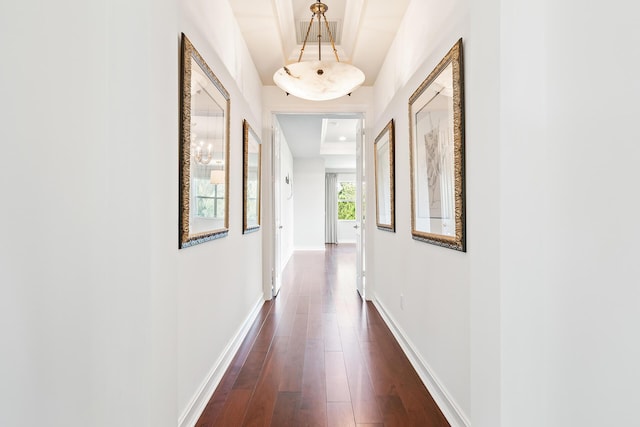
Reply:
x=190 y=415
x=445 y=402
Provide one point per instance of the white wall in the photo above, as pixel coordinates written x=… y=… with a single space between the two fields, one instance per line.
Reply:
x=88 y=268
x=308 y=202
x=551 y=294
x=225 y=40
x=568 y=241
x=482 y=152
x=434 y=282
x=104 y=321
x=220 y=282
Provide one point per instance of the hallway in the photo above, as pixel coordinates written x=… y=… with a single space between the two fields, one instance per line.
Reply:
x=317 y=356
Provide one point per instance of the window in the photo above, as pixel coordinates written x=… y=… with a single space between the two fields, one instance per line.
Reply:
x=346 y=201
x=209 y=199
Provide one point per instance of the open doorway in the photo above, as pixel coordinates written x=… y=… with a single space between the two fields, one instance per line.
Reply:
x=311 y=151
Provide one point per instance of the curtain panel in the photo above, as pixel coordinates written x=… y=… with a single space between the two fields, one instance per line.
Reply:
x=331 y=208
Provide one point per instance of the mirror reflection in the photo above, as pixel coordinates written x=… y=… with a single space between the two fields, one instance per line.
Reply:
x=208 y=201
x=434 y=154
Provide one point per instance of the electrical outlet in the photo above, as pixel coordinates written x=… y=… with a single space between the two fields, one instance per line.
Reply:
x=402 y=301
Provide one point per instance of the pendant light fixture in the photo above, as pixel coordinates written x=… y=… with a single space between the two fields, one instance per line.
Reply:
x=319 y=80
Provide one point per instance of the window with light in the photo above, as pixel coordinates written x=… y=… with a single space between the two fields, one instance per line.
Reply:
x=346 y=201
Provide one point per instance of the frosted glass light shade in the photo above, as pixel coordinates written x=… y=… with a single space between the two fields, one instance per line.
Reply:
x=318 y=80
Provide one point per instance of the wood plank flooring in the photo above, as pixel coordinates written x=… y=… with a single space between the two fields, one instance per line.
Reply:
x=317 y=355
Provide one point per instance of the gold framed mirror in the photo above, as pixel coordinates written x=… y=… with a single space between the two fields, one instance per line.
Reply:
x=436 y=129
x=204 y=151
x=251 y=179
x=383 y=153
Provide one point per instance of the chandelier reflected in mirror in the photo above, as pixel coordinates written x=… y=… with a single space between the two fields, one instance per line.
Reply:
x=318 y=80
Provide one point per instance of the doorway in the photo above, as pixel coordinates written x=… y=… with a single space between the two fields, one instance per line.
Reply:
x=306 y=148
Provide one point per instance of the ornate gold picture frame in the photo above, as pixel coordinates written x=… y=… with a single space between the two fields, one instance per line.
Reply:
x=436 y=129
x=384 y=161
x=251 y=179
x=204 y=151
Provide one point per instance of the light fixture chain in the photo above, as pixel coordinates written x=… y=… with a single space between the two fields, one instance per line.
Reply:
x=304 y=44
x=319 y=37
x=333 y=45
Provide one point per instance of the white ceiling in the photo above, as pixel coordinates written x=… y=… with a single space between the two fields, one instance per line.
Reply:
x=365 y=30
x=330 y=136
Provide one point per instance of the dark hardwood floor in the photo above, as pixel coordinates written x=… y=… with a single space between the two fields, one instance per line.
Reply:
x=317 y=355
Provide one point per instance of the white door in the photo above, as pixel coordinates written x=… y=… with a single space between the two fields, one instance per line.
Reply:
x=360 y=209
x=277 y=208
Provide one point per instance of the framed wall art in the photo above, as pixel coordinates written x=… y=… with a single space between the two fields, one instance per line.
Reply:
x=436 y=129
x=251 y=181
x=204 y=151
x=384 y=161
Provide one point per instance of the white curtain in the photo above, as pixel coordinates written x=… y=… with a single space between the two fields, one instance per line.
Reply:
x=331 y=208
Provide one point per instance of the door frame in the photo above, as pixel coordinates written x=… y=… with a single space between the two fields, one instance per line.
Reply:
x=276 y=102
x=360 y=225
x=276 y=223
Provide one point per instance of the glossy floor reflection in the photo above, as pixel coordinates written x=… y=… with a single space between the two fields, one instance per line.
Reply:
x=318 y=356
